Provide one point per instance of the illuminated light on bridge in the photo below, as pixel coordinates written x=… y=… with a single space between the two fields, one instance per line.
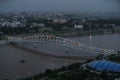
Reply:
x=62 y=42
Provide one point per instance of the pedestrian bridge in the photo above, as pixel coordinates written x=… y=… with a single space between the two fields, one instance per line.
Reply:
x=55 y=40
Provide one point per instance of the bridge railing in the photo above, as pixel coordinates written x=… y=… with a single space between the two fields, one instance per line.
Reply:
x=65 y=42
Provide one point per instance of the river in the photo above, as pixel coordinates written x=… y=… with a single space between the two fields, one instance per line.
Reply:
x=107 y=41
x=12 y=68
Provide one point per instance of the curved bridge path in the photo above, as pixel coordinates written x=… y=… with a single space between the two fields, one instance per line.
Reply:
x=59 y=41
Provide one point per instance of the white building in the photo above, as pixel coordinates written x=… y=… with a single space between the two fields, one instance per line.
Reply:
x=78 y=26
x=60 y=21
x=40 y=25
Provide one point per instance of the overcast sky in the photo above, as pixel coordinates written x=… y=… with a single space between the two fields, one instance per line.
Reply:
x=60 y=5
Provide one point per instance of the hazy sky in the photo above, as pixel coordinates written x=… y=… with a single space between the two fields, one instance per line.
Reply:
x=60 y=5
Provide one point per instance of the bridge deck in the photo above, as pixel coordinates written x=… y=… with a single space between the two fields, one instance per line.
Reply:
x=62 y=42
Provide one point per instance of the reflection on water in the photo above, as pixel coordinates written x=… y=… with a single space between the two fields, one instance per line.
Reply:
x=90 y=39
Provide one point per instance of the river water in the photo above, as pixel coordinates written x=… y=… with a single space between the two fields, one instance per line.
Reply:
x=107 y=41
x=10 y=57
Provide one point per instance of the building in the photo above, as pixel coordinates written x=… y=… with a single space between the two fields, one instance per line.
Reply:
x=60 y=21
x=78 y=26
x=116 y=28
x=103 y=65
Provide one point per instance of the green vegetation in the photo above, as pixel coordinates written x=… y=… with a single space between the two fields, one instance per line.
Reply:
x=115 y=58
x=74 y=71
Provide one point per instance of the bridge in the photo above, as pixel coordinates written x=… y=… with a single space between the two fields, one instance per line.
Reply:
x=55 y=40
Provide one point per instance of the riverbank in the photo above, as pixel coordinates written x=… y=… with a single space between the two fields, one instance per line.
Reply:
x=75 y=71
x=67 y=35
